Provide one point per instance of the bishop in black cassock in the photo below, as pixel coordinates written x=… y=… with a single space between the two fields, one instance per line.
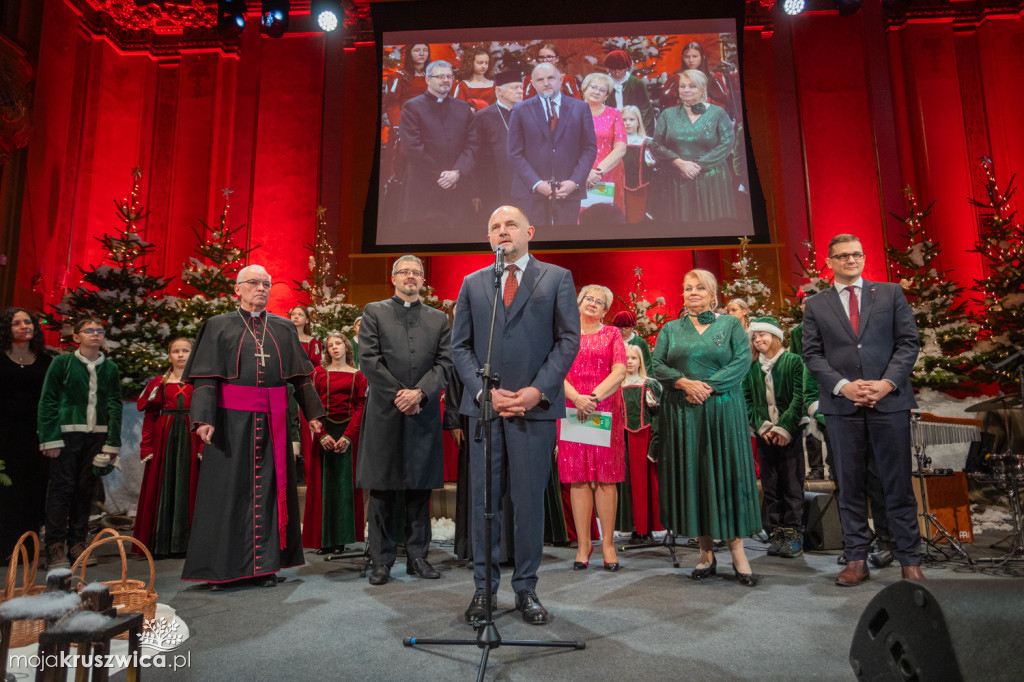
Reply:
x=246 y=518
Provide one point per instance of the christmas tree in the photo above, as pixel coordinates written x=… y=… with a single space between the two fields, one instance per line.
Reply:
x=219 y=259
x=1001 y=246
x=791 y=314
x=746 y=285
x=648 y=320
x=126 y=298
x=941 y=317
x=328 y=311
x=212 y=272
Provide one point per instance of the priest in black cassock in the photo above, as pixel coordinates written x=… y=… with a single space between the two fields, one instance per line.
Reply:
x=405 y=355
x=246 y=520
x=438 y=144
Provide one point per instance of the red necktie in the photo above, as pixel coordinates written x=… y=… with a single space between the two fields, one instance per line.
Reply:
x=553 y=118
x=854 y=310
x=511 y=285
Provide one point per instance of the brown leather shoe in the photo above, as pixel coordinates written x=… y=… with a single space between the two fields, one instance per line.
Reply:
x=854 y=574
x=912 y=573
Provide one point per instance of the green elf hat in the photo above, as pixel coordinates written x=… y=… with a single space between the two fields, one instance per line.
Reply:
x=765 y=324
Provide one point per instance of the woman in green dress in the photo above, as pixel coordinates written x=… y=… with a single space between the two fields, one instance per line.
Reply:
x=706 y=470
x=693 y=142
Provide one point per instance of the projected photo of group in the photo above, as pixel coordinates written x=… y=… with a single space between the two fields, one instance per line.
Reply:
x=609 y=135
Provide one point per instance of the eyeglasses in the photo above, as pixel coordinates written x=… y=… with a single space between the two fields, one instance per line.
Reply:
x=856 y=255
x=597 y=89
x=93 y=332
x=547 y=58
x=407 y=273
x=595 y=301
x=445 y=77
x=258 y=283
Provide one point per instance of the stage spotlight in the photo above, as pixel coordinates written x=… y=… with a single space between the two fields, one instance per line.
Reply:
x=231 y=16
x=274 y=17
x=848 y=8
x=793 y=7
x=329 y=14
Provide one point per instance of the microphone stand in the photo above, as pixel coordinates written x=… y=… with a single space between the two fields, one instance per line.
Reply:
x=551 y=201
x=487 y=635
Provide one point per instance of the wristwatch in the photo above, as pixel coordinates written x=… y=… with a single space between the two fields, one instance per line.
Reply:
x=544 y=403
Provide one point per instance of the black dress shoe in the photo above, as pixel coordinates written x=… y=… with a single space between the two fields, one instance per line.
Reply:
x=477 y=612
x=701 y=573
x=748 y=579
x=529 y=605
x=421 y=567
x=841 y=559
x=267 y=580
x=215 y=587
x=635 y=538
x=380 y=574
x=881 y=558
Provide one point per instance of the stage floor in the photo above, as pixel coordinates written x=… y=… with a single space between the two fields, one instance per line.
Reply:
x=647 y=620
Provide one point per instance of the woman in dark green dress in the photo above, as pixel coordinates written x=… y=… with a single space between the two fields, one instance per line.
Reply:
x=706 y=470
x=693 y=142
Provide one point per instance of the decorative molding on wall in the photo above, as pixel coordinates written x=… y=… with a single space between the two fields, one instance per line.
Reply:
x=159 y=27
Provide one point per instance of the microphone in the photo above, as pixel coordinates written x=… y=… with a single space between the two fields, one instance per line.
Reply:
x=499 y=261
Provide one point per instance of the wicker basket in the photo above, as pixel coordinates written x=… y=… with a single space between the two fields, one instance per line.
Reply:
x=24 y=632
x=130 y=596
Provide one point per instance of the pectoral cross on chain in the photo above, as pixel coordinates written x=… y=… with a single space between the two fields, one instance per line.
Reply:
x=262 y=356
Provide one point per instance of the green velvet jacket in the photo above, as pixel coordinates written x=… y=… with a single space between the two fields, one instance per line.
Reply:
x=788 y=378
x=74 y=399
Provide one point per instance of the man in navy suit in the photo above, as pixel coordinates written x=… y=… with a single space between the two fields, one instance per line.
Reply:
x=536 y=336
x=861 y=343
x=551 y=137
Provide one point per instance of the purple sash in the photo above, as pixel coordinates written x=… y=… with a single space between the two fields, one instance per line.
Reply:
x=274 y=402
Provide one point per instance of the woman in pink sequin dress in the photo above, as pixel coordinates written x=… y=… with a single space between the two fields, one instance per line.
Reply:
x=611 y=137
x=594 y=385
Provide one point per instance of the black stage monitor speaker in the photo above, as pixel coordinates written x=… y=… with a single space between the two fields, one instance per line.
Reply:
x=942 y=630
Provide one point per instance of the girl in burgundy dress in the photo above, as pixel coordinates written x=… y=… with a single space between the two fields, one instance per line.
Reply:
x=170 y=452
x=334 y=508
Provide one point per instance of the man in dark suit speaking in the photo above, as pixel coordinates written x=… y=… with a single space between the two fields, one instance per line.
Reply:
x=551 y=137
x=861 y=343
x=536 y=336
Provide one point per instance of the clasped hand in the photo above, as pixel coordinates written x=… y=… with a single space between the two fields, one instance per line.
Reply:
x=687 y=168
x=562 y=190
x=509 y=404
x=448 y=179
x=865 y=393
x=696 y=391
x=585 y=406
x=408 y=401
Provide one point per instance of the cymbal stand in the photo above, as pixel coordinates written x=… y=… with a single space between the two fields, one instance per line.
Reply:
x=934 y=531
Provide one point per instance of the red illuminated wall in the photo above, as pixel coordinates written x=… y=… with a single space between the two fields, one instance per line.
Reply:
x=844 y=113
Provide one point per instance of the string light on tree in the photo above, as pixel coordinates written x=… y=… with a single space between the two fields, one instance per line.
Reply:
x=328 y=310
x=939 y=309
x=747 y=285
x=125 y=297
x=1000 y=319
